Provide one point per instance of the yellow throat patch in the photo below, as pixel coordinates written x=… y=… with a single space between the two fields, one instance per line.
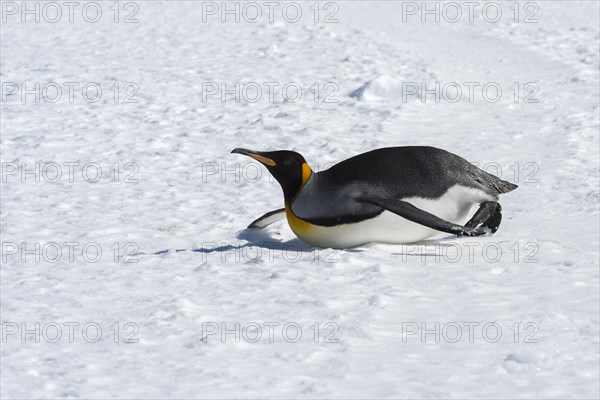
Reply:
x=299 y=226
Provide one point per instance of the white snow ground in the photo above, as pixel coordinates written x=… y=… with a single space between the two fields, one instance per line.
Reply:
x=525 y=301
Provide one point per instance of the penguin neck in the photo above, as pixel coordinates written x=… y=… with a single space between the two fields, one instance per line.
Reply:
x=290 y=194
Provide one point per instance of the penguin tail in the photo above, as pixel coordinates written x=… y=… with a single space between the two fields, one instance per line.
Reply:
x=492 y=183
x=503 y=186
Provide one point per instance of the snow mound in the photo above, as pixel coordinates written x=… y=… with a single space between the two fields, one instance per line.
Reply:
x=384 y=87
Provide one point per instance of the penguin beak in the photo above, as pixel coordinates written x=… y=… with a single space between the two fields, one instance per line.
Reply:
x=257 y=155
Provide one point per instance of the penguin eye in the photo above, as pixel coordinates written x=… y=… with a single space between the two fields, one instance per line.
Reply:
x=287 y=162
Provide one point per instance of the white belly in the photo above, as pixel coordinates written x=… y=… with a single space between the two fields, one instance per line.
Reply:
x=454 y=206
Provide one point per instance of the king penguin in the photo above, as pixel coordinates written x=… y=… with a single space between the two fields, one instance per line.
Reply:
x=389 y=195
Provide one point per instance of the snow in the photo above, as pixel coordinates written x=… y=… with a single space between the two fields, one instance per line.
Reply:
x=381 y=88
x=177 y=264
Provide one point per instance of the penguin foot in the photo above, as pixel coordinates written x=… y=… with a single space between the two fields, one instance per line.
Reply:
x=494 y=221
x=471 y=232
x=488 y=216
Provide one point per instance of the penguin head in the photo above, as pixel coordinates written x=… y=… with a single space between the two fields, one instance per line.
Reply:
x=288 y=167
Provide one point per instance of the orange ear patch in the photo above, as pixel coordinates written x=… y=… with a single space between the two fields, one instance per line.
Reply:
x=306 y=172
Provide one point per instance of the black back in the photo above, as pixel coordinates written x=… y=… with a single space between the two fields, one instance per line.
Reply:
x=409 y=171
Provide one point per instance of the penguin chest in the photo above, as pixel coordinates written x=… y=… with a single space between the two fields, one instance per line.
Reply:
x=384 y=228
x=339 y=236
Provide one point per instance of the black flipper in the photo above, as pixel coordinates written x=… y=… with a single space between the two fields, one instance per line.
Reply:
x=489 y=216
x=267 y=219
x=414 y=214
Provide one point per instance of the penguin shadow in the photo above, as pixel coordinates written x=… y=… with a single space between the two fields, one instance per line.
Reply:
x=259 y=238
x=262 y=239
x=253 y=238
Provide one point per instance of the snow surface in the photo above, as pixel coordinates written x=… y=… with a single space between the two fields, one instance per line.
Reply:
x=184 y=219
